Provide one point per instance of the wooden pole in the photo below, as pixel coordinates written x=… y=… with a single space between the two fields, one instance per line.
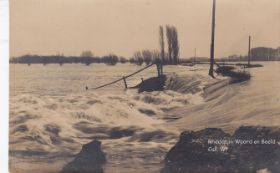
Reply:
x=158 y=69
x=161 y=68
x=249 y=51
x=125 y=84
x=194 y=55
x=211 y=69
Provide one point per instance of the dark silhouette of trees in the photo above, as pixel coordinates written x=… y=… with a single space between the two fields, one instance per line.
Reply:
x=145 y=56
x=123 y=60
x=45 y=60
x=137 y=58
x=169 y=42
x=110 y=59
x=265 y=54
x=173 y=44
x=161 y=43
x=132 y=60
x=86 y=57
x=156 y=55
x=61 y=60
x=87 y=53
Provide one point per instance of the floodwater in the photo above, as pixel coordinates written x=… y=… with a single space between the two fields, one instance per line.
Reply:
x=55 y=80
x=52 y=115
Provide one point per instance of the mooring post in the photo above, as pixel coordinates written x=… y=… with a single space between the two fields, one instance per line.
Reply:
x=125 y=85
x=158 y=69
x=249 y=51
x=161 y=68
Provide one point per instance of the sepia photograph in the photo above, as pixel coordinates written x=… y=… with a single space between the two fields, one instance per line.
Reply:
x=144 y=86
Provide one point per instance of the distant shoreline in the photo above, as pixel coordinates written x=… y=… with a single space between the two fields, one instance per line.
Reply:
x=113 y=60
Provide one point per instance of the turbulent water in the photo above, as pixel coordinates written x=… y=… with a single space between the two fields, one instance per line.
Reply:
x=52 y=115
x=256 y=102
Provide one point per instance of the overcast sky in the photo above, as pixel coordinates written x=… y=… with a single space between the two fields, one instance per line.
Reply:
x=125 y=26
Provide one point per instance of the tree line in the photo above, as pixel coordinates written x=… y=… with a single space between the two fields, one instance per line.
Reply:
x=145 y=56
x=86 y=58
x=161 y=56
x=257 y=54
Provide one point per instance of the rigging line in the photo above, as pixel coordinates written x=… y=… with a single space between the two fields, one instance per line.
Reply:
x=107 y=84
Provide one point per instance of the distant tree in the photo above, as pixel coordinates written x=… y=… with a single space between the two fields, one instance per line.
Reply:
x=173 y=44
x=122 y=60
x=265 y=54
x=60 y=59
x=110 y=59
x=45 y=60
x=147 y=56
x=161 y=43
x=169 y=42
x=138 y=59
x=86 y=57
x=87 y=53
x=156 y=56
x=132 y=60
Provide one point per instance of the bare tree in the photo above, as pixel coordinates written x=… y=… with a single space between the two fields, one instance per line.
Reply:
x=169 y=42
x=147 y=56
x=161 y=43
x=156 y=55
x=110 y=59
x=138 y=59
x=173 y=44
x=87 y=53
x=86 y=57
x=123 y=60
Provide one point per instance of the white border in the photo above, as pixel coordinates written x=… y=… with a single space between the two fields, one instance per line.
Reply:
x=4 y=86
